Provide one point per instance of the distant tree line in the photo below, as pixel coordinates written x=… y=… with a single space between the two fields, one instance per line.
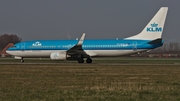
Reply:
x=5 y=39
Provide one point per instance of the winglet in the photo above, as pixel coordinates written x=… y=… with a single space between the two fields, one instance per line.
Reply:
x=81 y=39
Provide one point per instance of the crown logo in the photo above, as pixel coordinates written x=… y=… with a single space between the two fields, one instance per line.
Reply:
x=154 y=25
x=56 y=56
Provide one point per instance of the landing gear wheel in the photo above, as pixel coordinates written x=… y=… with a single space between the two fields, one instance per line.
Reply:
x=22 y=61
x=89 y=60
x=80 y=61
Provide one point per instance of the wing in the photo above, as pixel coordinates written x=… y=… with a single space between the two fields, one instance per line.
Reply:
x=77 y=49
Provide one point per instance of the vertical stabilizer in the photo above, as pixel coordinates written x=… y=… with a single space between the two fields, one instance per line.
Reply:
x=154 y=28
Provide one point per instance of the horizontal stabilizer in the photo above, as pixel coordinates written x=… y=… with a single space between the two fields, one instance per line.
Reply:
x=156 y=41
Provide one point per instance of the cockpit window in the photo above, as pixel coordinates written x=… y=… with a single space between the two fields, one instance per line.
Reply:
x=13 y=46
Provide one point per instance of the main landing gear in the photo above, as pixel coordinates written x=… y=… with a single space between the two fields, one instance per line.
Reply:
x=81 y=60
x=89 y=60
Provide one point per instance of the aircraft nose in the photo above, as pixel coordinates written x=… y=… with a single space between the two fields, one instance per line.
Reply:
x=7 y=51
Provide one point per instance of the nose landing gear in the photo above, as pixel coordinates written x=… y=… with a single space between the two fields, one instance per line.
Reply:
x=22 y=60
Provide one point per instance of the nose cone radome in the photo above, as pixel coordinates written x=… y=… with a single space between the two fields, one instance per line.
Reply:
x=7 y=51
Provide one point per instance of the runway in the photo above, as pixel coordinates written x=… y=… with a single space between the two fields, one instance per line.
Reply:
x=96 y=61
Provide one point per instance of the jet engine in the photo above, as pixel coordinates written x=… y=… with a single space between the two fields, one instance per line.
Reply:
x=58 y=56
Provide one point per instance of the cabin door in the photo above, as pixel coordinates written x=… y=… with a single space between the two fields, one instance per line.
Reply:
x=134 y=46
x=22 y=46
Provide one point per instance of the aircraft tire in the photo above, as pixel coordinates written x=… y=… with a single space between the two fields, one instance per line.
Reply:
x=89 y=60
x=80 y=61
x=22 y=61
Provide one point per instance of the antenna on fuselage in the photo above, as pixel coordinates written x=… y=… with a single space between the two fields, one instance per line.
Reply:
x=68 y=35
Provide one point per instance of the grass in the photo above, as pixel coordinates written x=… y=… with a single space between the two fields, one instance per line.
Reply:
x=70 y=81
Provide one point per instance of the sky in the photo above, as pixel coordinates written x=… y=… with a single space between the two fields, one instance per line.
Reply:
x=99 y=19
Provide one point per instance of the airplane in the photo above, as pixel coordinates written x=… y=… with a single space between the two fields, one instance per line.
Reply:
x=149 y=38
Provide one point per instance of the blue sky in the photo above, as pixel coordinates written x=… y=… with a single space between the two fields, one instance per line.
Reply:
x=99 y=19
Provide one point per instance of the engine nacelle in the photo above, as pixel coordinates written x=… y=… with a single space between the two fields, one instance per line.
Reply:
x=58 y=56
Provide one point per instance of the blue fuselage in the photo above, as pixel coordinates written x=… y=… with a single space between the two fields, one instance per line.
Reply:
x=87 y=45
